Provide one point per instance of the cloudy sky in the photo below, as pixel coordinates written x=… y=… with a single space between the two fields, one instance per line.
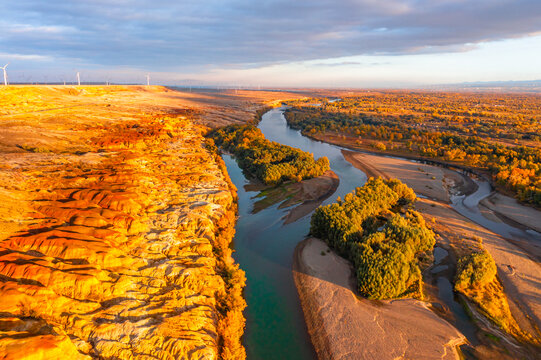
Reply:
x=343 y=43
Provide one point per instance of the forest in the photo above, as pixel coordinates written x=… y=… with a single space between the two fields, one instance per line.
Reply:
x=499 y=134
x=270 y=162
x=374 y=228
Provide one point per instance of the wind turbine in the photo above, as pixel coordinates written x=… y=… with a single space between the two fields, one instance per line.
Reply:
x=148 y=79
x=78 y=79
x=5 y=74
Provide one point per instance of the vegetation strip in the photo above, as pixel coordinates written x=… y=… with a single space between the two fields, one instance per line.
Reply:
x=268 y=161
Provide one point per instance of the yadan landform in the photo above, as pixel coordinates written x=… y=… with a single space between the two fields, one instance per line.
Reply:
x=270 y=180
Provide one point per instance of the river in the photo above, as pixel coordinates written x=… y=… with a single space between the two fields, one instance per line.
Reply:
x=275 y=327
x=468 y=206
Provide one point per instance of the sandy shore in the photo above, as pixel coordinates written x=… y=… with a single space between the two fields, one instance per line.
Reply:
x=313 y=193
x=426 y=180
x=343 y=326
x=520 y=275
x=359 y=160
x=512 y=209
x=301 y=198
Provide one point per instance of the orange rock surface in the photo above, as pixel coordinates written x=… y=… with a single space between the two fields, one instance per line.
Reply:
x=115 y=224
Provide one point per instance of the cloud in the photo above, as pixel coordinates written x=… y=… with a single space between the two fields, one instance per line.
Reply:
x=347 y=63
x=166 y=35
x=25 y=57
x=35 y=30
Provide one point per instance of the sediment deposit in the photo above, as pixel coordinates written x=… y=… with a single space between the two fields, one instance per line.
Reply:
x=115 y=231
x=343 y=326
x=518 y=270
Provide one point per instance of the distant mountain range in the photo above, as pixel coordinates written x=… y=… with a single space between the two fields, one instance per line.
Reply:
x=519 y=86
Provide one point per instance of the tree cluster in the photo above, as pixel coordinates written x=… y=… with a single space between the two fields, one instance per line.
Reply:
x=269 y=161
x=475 y=271
x=504 y=116
x=442 y=134
x=372 y=228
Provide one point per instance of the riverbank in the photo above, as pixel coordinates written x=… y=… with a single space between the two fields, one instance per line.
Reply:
x=350 y=143
x=509 y=208
x=312 y=193
x=519 y=273
x=436 y=183
x=300 y=197
x=344 y=326
x=427 y=180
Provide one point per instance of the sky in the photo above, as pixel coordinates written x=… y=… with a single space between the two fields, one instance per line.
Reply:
x=278 y=43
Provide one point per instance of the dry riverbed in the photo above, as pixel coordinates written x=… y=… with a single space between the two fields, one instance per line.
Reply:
x=511 y=209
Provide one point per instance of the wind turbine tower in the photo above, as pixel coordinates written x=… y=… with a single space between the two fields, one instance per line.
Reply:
x=148 y=79
x=5 y=74
x=78 y=79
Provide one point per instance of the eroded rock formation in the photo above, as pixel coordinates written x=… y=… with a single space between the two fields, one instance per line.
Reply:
x=121 y=251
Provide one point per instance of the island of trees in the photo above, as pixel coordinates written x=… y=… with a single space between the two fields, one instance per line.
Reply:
x=270 y=162
x=499 y=134
x=375 y=229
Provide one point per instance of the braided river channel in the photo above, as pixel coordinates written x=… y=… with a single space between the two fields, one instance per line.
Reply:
x=264 y=247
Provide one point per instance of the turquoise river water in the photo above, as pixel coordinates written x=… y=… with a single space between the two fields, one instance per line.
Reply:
x=275 y=327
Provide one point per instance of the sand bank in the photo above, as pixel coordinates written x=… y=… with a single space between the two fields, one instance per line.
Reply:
x=426 y=180
x=343 y=326
x=512 y=209
x=301 y=198
x=519 y=273
x=313 y=192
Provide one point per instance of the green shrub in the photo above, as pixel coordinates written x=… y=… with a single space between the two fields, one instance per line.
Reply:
x=411 y=231
x=382 y=269
x=268 y=161
x=383 y=249
x=475 y=271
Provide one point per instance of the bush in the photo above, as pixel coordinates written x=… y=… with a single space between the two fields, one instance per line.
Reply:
x=382 y=270
x=475 y=271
